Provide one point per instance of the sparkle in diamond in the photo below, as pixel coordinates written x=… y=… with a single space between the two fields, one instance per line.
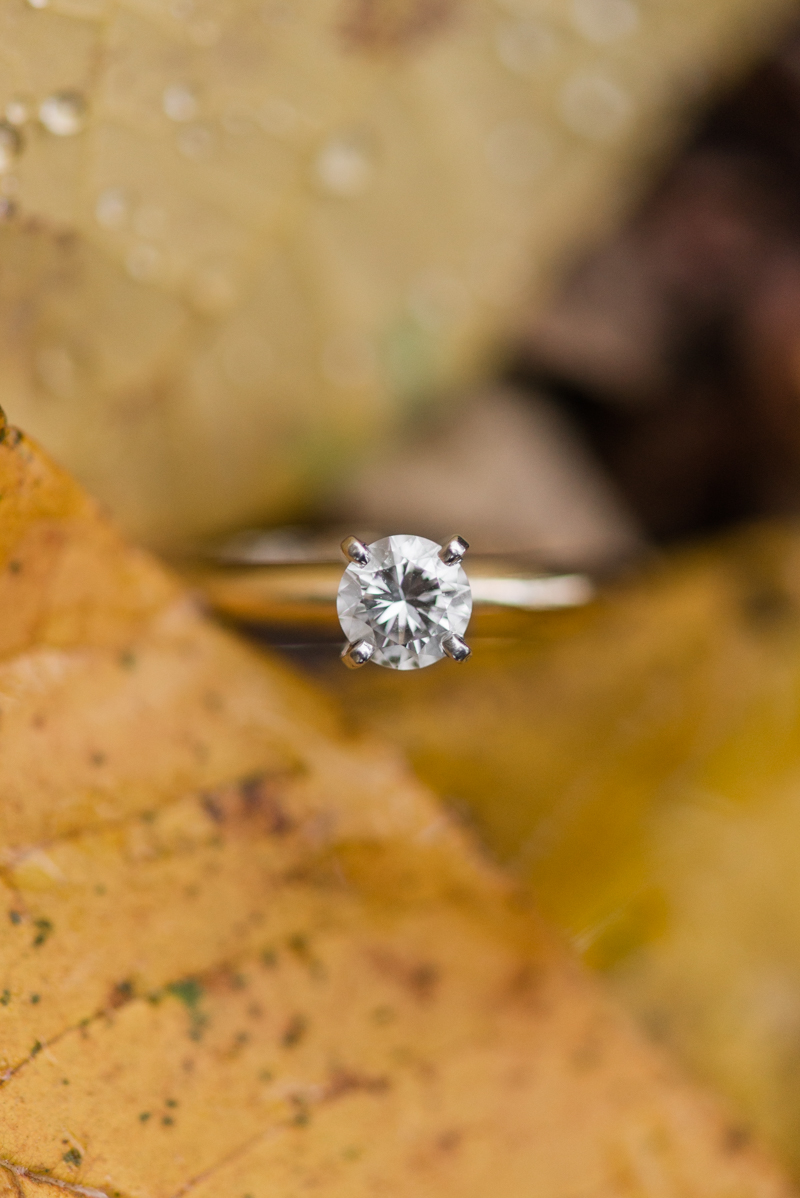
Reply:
x=405 y=601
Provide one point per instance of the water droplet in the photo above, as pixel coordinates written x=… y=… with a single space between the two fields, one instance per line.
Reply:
x=344 y=165
x=63 y=113
x=196 y=141
x=143 y=262
x=112 y=208
x=522 y=46
x=38 y=3
x=18 y=111
x=518 y=152
x=10 y=146
x=180 y=102
x=349 y=360
x=605 y=21
x=150 y=222
x=594 y=106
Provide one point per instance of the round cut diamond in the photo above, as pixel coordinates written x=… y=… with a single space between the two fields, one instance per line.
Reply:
x=405 y=601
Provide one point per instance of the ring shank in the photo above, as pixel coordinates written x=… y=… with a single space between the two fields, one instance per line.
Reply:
x=303 y=594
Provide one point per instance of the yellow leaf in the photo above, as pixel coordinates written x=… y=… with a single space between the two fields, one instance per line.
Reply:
x=246 y=953
x=638 y=764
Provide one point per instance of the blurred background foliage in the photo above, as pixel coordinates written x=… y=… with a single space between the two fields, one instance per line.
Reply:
x=246 y=243
x=527 y=269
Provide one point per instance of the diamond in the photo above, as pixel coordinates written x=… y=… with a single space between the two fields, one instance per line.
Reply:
x=405 y=601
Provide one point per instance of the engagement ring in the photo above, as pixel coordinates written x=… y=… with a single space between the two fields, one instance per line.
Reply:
x=403 y=601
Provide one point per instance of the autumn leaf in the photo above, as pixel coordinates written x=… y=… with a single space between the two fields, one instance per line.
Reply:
x=636 y=764
x=244 y=953
x=241 y=241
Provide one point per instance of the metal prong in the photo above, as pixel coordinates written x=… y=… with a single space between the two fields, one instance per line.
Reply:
x=455 y=648
x=453 y=550
x=357 y=654
x=355 y=551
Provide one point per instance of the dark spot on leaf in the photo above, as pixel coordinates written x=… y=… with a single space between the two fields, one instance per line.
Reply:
x=212 y=808
x=525 y=980
x=35 y=998
x=345 y=1081
x=98 y=758
x=252 y=800
x=15 y=917
x=5 y=998
x=294 y=1031
x=448 y=1141
x=302 y=1115
x=44 y=929
x=73 y=1157
x=420 y=978
x=121 y=993
x=15 y=567
x=737 y=1137
x=127 y=659
x=37 y=1048
x=260 y=798
x=187 y=990
x=269 y=958
x=298 y=944
x=144 y=1116
x=167 y=1121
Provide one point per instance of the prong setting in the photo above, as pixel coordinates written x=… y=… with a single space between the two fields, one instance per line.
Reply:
x=456 y=648
x=355 y=551
x=357 y=654
x=404 y=602
x=453 y=550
